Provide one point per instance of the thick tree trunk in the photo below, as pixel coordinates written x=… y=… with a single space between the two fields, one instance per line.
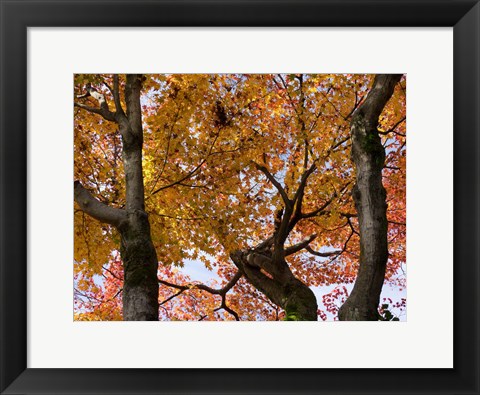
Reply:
x=140 y=287
x=140 y=263
x=274 y=278
x=369 y=196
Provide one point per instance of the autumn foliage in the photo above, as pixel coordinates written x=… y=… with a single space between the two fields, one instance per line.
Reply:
x=211 y=146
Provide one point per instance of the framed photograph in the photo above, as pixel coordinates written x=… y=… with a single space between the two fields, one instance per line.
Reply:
x=243 y=164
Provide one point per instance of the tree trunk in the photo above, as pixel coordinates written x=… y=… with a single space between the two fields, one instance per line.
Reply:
x=369 y=196
x=140 y=263
x=140 y=288
x=274 y=278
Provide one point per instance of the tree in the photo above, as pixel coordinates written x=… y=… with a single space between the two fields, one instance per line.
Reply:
x=369 y=195
x=140 y=288
x=248 y=173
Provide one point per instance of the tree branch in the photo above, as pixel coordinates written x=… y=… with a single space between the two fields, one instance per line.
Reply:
x=392 y=129
x=189 y=174
x=335 y=108
x=96 y=209
x=357 y=102
x=227 y=309
x=338 y=144
x=222 y=292
x=172 y=285
x=277 y=185
x=172 y=297
x=285 y=86
x=298 y=198
x=323 y=254
x=103 y=110
x=89 y=109
x=300 y=246
x=203 y=287
x=397 y=223
x=319 y=210
x=116 y=96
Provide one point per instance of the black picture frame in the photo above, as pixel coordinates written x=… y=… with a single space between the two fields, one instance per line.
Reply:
x=18 y=15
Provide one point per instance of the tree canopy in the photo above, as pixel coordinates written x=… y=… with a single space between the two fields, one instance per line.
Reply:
x=251 y=175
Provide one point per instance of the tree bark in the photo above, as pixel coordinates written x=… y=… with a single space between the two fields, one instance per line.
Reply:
x=140 y=263
x=369 y=196
x=272 y=276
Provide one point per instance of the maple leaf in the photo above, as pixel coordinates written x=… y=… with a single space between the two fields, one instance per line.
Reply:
x=211 y=160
